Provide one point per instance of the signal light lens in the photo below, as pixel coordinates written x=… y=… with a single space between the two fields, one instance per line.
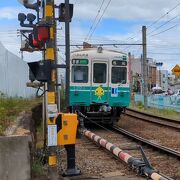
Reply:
x=21 y=17
x=43 y=33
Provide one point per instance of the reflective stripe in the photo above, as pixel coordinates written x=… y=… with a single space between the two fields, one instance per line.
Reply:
x=116 y=151
x=108 y=146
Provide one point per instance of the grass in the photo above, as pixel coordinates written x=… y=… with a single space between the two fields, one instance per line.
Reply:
x=38 y=168
x=167 y=113
x=11 y=107
x=39 y=134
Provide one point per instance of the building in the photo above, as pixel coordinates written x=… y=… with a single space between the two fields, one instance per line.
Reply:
x=163 y=80
x=14 y=73
x=152 y=69
x=171 y=81
x=136 y=73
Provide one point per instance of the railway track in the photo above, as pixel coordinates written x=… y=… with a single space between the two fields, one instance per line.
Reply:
x=159 y=147
x=153 y=119
x=158 y=157
x=164 y=158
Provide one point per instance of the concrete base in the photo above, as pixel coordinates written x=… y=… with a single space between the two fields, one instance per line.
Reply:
x=72 y=172
x=15 y=161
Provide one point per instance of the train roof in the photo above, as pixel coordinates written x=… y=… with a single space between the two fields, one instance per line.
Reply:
x=95 y=49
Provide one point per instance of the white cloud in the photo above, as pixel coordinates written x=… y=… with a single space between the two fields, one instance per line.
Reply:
x=9 y=12
x=131 y=10
x=126 y=9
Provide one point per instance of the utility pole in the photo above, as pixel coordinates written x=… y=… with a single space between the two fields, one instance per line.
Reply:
x=144 y=59
x=67 y=39
x=130 y=73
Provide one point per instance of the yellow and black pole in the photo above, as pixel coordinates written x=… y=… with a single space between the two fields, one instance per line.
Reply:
x=62 y=128
x=51 y=94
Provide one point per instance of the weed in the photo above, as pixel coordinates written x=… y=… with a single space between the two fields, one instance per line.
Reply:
x=37 y=168
x=168 y=113
x=11 y=107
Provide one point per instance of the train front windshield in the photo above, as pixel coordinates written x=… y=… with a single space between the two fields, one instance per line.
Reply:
x=79 y=74
x=99 y=73
x=119 y=75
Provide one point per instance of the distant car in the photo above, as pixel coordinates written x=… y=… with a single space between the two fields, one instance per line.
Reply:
x=176 y=92
x=158 y=91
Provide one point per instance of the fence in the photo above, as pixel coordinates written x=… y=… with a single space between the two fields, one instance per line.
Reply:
x=161 y=101
x=14 y=74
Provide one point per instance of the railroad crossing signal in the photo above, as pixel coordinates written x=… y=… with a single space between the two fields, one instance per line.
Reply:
x=62 y=12
x=176 y=70
x=41 y=36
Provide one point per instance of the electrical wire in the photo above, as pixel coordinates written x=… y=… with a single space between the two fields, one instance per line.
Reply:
x=166 y=53
x=165 y=30
x=156 y=21
x=94 y=20
x=99 y=20
x=163 y=24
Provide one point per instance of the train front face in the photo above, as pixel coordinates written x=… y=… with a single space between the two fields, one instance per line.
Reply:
x=99 y=84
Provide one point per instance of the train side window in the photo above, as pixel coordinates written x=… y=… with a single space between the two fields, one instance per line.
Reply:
x=99 y=73
x=79 y=74
x=119 y=75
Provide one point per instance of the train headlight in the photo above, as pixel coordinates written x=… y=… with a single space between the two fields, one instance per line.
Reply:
x=114 y=62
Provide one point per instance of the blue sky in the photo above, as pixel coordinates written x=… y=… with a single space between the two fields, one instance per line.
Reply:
x=121 y=21
x=5 y=3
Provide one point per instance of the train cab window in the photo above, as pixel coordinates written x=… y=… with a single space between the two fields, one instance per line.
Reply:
x=79 y=74
x=119 y=75
x=99 y=73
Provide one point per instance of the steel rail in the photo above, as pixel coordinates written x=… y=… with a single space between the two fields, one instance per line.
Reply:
x=154 y=119
x=145 y=141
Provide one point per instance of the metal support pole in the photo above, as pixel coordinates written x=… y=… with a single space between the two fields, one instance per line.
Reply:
x=130 y=73
x=67 y=39
x=71 y=170
x=144 y=65
x=70 y=148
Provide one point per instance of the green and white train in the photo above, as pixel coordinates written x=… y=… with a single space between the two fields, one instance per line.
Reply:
x=99 y=84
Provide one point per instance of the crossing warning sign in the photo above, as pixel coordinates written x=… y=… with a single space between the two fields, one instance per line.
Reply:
x=176 y=70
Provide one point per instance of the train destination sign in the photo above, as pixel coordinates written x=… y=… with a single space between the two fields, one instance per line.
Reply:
x=119 y=63
x=79 y=61
x=176 y=70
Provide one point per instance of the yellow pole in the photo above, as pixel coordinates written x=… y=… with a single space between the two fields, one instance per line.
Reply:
x=50 y=55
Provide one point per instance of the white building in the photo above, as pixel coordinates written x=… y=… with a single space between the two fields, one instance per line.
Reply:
x=137 y=70
x=162 y=79
x=14 y=73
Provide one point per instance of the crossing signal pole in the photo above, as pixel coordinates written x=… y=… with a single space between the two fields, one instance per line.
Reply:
x=60 y=128
x=51 y=95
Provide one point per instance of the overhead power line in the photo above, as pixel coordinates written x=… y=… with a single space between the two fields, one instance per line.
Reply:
x=163 y=24
x=94 y=20
x=165 y=30
x=165 y=53
x=110 y=44
x=99 y=20
x=156 y=21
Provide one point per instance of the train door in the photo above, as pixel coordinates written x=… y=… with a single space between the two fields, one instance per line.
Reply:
x=100 y=79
